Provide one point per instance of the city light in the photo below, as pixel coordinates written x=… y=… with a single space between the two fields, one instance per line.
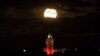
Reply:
x=24 y=50
x=50 y=13
x=76 y=49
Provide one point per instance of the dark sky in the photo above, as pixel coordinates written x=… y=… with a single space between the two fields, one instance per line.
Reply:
x=22 y=24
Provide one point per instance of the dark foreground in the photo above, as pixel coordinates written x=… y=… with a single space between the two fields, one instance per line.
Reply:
x=38 y=52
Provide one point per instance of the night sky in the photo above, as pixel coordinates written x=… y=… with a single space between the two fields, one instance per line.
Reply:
x=22 y=24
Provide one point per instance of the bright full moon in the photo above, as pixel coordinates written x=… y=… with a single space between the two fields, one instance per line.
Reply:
x=50 y=13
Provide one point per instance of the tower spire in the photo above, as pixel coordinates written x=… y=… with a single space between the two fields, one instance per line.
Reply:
x=49 y=35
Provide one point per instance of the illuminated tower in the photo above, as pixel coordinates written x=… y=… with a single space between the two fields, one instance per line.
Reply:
x=49 y=45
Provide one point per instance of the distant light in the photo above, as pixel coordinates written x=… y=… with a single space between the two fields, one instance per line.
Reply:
x=24 y=50
x=76 y=49
x=50 y=13
x=98 y=49
x=63 y=50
